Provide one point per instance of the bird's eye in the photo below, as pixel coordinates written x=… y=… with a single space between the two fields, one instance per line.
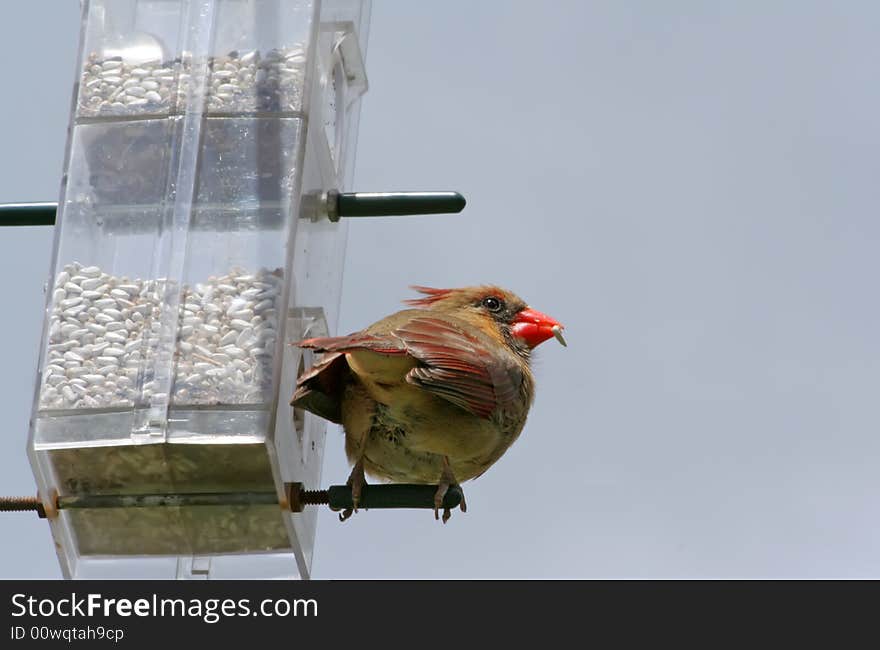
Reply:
x=492 y=303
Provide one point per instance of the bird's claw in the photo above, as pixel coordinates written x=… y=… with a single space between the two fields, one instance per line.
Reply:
x=447 y=512
x=356 y=481
x=447 y=479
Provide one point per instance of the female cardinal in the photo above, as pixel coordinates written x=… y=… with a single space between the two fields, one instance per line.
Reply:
x=436 y=393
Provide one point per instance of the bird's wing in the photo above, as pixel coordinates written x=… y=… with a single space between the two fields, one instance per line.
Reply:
x=319 y=389
x=453 y=364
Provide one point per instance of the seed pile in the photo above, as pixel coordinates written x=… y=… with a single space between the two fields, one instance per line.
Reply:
x=238 y=82
x=104 y=329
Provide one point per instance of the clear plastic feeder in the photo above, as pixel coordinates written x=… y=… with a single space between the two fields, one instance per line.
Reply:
x=186 y=262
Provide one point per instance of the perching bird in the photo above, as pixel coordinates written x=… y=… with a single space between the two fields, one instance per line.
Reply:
x=432 y=394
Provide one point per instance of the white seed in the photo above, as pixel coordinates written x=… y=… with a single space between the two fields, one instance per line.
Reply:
x=263 y=305
x=242 y=314
x=246 y=338
x=233 y=351
x=266 y=334
x=70 y=302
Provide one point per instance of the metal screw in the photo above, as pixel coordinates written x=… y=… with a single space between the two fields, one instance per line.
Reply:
x=22 y=504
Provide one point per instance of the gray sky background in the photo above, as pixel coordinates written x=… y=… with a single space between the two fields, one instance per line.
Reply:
x=691 y=187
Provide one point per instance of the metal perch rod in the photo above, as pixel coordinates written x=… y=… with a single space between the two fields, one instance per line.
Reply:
x=338 y=497
x=347 y=204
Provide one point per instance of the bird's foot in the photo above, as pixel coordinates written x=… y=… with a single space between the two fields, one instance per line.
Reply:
x=356 y=481
x=447 y=479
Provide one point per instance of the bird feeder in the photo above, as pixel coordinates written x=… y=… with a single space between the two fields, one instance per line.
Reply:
x=192 y=247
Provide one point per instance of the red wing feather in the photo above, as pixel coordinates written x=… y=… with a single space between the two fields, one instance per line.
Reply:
x=456 y=366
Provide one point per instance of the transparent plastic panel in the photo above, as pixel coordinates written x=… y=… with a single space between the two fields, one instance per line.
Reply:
x=318 y=248
x=137 y=62
x=173 y=291
x=183 y=273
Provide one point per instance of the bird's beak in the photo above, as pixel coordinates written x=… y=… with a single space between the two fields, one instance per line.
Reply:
x=534 y=328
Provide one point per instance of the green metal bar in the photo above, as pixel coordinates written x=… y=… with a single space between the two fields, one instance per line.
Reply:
x=338 y=497
x=389 y=204
x=27 y=214
x=352 y=204
x=167 y=500
x=393 y=496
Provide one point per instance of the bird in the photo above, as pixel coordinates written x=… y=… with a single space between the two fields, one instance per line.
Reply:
x=432 y=394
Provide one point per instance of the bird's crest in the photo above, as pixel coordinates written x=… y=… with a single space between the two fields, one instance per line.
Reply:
x=431 y=296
